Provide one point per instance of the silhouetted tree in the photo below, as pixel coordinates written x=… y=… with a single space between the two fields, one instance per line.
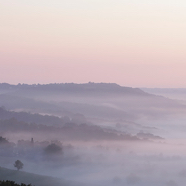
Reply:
x=18 y=164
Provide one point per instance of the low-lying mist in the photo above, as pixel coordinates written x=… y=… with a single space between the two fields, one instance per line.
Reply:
x=103 y=162
x=93 y=134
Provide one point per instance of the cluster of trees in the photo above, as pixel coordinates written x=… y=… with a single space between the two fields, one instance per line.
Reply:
x=3 y=140
x=12 y=183
x=53 y=149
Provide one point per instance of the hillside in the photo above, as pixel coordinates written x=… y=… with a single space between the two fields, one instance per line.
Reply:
x=27 y=178
x=31 y=118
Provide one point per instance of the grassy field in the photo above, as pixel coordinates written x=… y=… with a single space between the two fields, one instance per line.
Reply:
x=34 y=179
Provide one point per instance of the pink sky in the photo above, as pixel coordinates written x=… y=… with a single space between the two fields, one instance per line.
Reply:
x=132 y=43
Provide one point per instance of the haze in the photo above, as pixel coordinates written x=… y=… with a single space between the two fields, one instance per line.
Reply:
x=99 y=134
x=93 y=92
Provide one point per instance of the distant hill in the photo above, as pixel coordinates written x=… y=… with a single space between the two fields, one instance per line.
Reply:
x=172 y=93
x=108 y=88
x=93 y=100
x=36 y=180
x=31 y=118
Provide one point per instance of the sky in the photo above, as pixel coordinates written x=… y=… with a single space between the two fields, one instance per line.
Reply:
x=136 y=43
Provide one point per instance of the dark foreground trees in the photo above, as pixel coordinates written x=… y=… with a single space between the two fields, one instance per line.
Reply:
x=12 y=183
x=18 y=164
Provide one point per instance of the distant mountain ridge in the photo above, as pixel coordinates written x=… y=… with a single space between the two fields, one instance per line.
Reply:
x=75 y=88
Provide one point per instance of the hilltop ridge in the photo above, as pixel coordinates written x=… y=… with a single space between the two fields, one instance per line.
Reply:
x=112 y=88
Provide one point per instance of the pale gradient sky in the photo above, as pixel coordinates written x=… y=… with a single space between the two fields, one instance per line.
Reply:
x=138 y=43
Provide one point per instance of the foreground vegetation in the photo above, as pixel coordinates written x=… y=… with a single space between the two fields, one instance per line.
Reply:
x=12 y=183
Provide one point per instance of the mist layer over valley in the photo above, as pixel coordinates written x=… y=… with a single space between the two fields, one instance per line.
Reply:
x=95 y=134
